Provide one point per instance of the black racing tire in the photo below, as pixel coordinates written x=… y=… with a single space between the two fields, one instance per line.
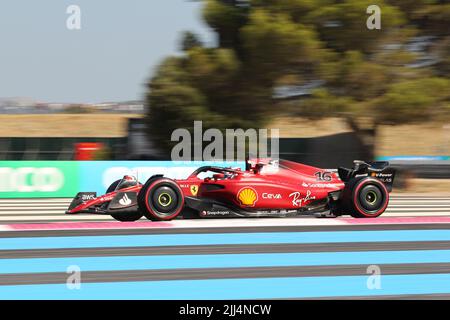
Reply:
x=161 y=199
x=365 y=198
x=113 y=186
x=127 y=217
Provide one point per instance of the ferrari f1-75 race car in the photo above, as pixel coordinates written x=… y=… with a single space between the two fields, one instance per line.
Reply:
x=267 y=188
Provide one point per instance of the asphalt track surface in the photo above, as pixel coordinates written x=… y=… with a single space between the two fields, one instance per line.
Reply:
x=295 y=258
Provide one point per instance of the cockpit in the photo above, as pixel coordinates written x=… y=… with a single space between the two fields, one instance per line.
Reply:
x=265 y=166
x=209 y=173
x=127 y=182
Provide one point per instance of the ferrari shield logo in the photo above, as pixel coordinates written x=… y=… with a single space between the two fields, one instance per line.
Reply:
x=194 y=190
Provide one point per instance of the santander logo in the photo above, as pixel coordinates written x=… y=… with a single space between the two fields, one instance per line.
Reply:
x=125 y=200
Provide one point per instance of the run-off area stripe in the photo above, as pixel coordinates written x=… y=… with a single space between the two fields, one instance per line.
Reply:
x=46 y=265
x=222 y=238
x=266 y=288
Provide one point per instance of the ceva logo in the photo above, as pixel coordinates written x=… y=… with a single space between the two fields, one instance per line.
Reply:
x=29 y=179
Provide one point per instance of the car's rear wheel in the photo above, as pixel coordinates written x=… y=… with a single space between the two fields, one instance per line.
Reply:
x=161 y=199
x=366 y=198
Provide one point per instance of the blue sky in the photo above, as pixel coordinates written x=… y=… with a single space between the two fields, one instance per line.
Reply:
x=110 y=59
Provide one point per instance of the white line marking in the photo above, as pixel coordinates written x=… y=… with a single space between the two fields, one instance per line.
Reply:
x=252 y=222
x=5 y=228
x=420 y=200
x=415 y=214
x=62 y=217
x=36 y=200
x=32 y=212
x=59 y=208
x=53 y=209
x=418 y=210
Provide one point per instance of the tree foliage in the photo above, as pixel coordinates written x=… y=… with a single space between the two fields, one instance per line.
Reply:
x=265 y=44
x=190 y=41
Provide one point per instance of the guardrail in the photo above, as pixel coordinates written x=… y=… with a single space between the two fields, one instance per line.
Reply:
x=423 y=169
x=63 y=179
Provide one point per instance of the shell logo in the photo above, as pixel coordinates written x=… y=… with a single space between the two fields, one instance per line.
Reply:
x=247 y=197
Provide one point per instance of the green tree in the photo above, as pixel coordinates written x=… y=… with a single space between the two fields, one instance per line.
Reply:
x=189 y=41
x=265 y=44
x=418 y=99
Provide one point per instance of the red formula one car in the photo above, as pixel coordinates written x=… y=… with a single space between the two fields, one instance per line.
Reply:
x=266 y=188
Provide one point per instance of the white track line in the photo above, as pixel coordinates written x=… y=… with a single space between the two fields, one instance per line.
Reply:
x=62 y=217
x=53 y=209
x=66 y=200
x=419 y=201
x=38 y=199
x=103 y=217
x=251 y=222
x=423 y=210
x=416 y=214
x=419 y=206
x=5 y=204
x=34 y=212
x=27 y=208
x=62 y=211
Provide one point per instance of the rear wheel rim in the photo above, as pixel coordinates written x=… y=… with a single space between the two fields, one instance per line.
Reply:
x=371 y=199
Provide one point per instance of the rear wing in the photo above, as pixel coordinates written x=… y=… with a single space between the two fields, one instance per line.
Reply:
x=377 y=169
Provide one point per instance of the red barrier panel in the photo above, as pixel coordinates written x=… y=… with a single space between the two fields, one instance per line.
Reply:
x=85 y=150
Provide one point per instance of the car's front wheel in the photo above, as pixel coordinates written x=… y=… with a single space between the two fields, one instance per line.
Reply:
x=161 y=199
